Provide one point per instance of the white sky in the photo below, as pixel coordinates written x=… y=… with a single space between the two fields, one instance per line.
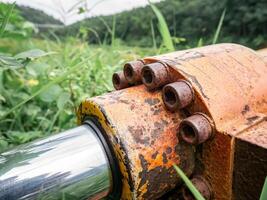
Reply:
x=62 y=9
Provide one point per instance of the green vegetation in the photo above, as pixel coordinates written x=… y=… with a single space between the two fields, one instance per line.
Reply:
x=42 y=82
x=39 y=16
x=244 y=23
x=40 y=97
x=264 y=190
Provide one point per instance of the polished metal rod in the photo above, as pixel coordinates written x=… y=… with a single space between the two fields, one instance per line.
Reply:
x=68 y=165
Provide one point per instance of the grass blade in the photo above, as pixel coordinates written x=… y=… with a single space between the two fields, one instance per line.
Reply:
x=188 y=183
x=264 y=191
x=113 y=31
x=6 y=19
x=153 y=35
x=219 y=27
x=163 y=28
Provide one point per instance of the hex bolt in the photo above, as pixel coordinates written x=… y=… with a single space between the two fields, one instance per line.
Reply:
x=119 y=81
x=132 y=71
x=195 y=129
x=202 y=186
x=177 y=95
x=155 y=75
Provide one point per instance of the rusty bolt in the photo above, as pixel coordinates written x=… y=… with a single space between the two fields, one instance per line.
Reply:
x=155 y=75
x=119 y=81
x=202 y=186
x=195 y=129
x=132 y=71
x=177 y=95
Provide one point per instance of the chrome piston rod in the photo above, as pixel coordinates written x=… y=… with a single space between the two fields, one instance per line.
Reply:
x=69 y=165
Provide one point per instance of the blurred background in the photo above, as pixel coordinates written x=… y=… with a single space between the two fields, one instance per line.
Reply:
x=55 y=53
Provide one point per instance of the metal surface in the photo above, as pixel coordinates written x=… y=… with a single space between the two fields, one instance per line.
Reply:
x=177 y=95
x=230 y=87
x=201 y=185
x=70 y=165
x=195 y=129
x=143 y=135
x=155 y=75
x=119 y=81
x=250 y=162
x=132 y=71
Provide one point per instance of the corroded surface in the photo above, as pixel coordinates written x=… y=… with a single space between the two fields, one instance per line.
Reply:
x=229 y=83
x=177 y=95
x=119 y=81
x=143 y=134
x=250 y=163
x=132 y=71
x=228 y=78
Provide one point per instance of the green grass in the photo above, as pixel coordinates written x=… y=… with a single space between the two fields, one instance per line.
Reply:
x=189 y=184
x=219 y=28
x=264 y=190
x=163 y=29
x=41 y=97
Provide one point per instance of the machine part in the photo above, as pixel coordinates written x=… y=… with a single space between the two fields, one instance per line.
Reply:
x=119 y=81
x=132 y=72
x=195 y=129
x=143 y=135
x=230 y=87
x=72 y=164
x=250 y=162
x=155 y=75
x=201 y=185
x=229 y=83
x=177 y=95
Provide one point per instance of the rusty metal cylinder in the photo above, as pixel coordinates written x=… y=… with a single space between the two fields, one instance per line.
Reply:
x=155 y=75
x=201 y=185
x=177 y=95
x=132 y=71
x=195 y=129
x=119 y=81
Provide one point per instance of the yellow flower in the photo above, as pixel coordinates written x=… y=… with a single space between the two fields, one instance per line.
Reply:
x=32 y=82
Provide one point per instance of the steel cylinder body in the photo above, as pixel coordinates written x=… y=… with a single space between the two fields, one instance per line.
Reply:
x=68 y=165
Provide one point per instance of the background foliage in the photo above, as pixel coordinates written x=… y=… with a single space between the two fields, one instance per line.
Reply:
x=245 y=23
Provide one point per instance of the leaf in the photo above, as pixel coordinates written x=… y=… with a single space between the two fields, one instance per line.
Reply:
x=264 y=190
x=23 y=137
x=2 y=98
x=33 y=54
x=163 y=28
x=62 y=100
x=200 y=42
x=8 y=61
x=189 y=184
x=6 y=18
x=219 y=27
x=36 y=69
x=51 y=94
